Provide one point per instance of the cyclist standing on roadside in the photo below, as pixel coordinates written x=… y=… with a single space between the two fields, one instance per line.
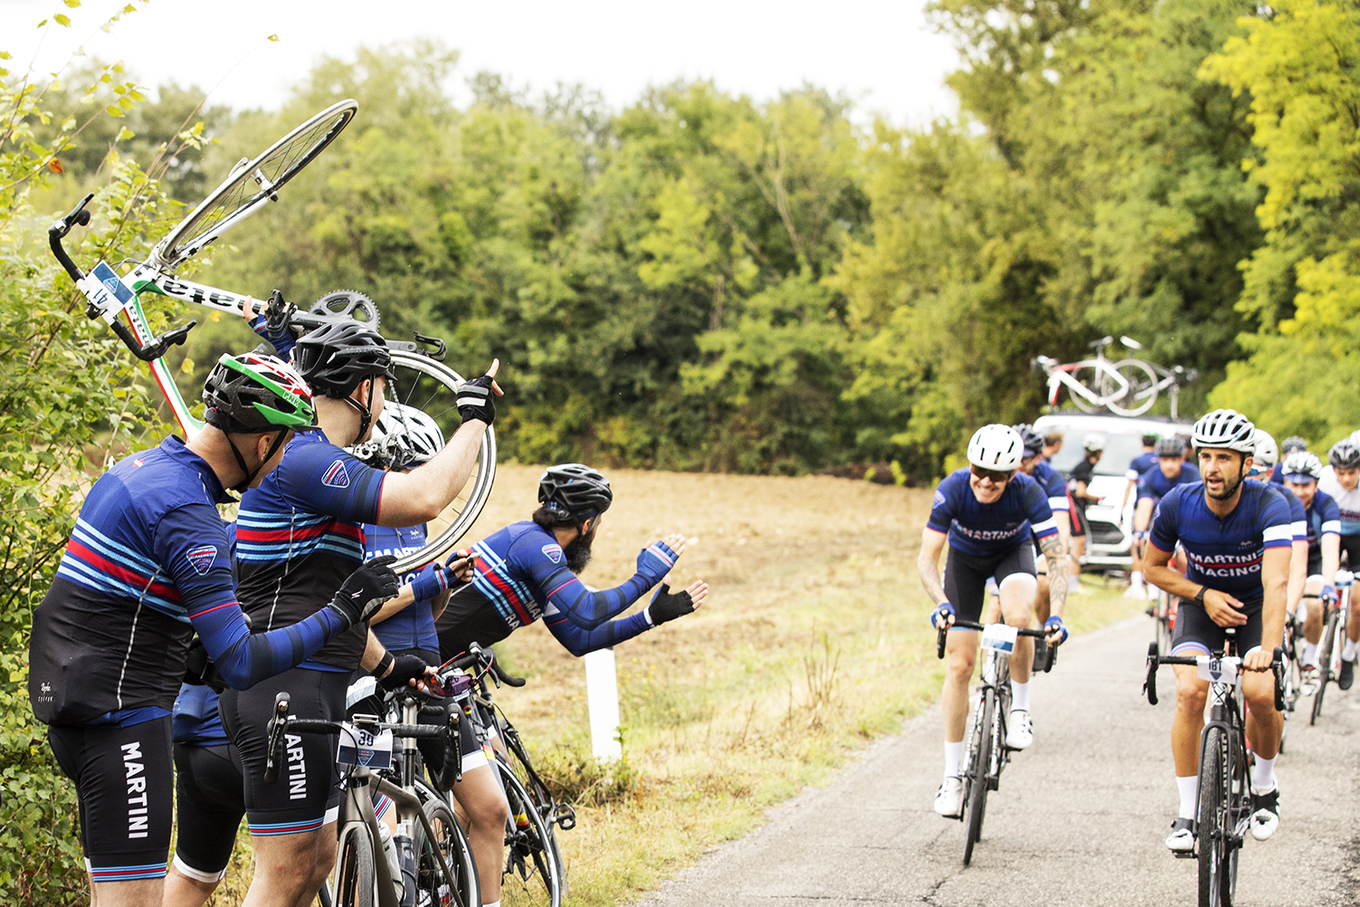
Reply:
x=1093 y=447
x=1301 y=471
x=1341 y=480
x=1169 y=471
x=1237 y=539
x=147 y=566
x=296 y=533
x=987 y=514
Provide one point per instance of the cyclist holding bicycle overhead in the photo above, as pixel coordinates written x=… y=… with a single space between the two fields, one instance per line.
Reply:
x=1237 y=539
x=296 y=534
x=987 y=513
x=147 y=566
x=1301 y=471
x=1341 y=480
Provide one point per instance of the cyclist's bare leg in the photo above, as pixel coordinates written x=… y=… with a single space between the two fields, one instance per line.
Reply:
x=483 y=809
x=1353 y=620
x=1017 y=604
x=960 y=655
x=126 y=894
x=182 y=891
x=1312 y=624
x=290 y=869
x=1263 y=722
x=1191 y=695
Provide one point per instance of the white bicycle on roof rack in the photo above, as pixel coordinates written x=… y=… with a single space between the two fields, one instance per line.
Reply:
x=422 y=379
x=1101 y=384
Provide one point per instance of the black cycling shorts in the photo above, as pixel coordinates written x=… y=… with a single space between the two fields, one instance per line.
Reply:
x=307 y=789
x=125 y=786
x=1080 y=525
x=1314 y=560
x=209 y=804
x=1350 y=551
x=965 y=576
x=1197 y=634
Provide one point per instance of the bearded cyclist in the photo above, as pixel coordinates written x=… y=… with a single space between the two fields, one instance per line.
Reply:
x=147 y=566
x=1237 y=539
x=987 y=514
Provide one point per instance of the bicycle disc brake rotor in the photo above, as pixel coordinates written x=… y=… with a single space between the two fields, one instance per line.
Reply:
x=348 y=304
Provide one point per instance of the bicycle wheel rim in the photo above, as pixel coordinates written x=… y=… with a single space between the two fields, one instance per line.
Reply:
x=431 y=386
x=247 y=185
x=451 y=844
x=1212 y=809
x=518 y=762
x=530 y=876
x=354 y=884
x=978 y=770
x=1086 y=376
x=1142 y=392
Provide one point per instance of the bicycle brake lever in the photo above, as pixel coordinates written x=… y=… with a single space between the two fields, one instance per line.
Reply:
x=274 y=734
x=58 y=231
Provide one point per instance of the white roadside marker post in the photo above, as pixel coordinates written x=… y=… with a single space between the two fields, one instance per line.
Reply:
x=602 y=697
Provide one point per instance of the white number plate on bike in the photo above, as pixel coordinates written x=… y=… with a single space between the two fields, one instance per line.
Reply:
x=1000 y=637
x=362 y=747
x=1216 y=670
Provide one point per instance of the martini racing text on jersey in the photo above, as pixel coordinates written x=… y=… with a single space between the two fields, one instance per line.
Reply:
x=984 y=530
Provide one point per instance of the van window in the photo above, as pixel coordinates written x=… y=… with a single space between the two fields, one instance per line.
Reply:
x=1120 y=449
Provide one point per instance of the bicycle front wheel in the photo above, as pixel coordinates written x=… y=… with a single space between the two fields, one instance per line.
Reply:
x=549 y=810
x=979 y=769
x=354 y=878
x=1142 y=390
x=1324 y=663
x=250 y=183
x=431 y=386
x=1088 y=376
x=531 y=875
x=433 y=888
x=1214 y=827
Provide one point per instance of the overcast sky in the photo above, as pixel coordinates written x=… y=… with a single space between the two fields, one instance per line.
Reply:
x=881 y=53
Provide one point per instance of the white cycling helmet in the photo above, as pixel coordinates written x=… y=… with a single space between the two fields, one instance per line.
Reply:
x=1302 y=466
x=403 y=438
x=996 y=446
x=1226 y=429
x=1267 y=453
x=1355 y=437
x=1094 y=442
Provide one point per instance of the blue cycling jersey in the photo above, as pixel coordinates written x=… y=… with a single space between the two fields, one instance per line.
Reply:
x=1224 y=554
x=1348 y=502
x=299 y=536
x=1322 y=516
x=1054 y=485
x=1141 y=464
x=147 y=565
x=984 y=530
x=1298 y=519
x=413 y=626
x=1277 y=474
x=1154 y=484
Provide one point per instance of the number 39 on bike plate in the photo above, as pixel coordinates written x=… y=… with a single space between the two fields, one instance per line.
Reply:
x=999 y=637
x=361 y=747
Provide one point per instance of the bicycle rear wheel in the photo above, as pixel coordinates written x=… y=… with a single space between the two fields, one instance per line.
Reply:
x=979 y=768
x=250 y=183
x=1142 y=392
x=354 y=878
x=1088 y=376
x=531 y=874
x=1213 y=820
x=431 y=386
x=1324 y=663
x=552 y=813
x=433 y=888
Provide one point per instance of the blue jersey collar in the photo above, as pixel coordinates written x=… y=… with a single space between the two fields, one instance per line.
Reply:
x=174 y=448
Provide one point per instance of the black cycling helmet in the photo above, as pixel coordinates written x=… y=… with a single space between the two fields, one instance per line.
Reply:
x=574 y=490
x=1033 y=442
x=254 y=393
x=335 y=357
x=1292 y=444
x=1171 y=447
x=1344 y=455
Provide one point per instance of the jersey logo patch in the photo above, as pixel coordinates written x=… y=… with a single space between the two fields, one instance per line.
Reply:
x=939 y=499
x=202 y=558
x=336 y=477
x=554 y=553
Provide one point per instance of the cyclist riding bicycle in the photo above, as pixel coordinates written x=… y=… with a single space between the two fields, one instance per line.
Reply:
x=1264 y=462
x=986 y=512
x=1139 y=465
x=1055 y=486
x=1237 y=539
x=1292 y=444
x=1301 y=471
x=1170 y=470
x=296 y=534
x=147 y=566
x=1341 y=480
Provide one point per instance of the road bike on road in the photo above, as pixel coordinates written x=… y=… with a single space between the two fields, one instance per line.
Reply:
x=1224 y=813
x=1333 y=640
x=987 y=754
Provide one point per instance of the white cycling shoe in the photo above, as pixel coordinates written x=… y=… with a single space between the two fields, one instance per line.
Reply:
x=949 y=798
x=1019 y=730
x=1182 y=837
x=1265 y=815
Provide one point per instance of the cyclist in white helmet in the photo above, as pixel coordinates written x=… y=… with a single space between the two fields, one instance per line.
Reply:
x=1264 y=461
x=986 y=512
x=1301 y=471
x=1341 y=480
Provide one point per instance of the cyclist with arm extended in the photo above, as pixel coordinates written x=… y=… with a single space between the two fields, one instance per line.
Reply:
x=1301 y=471
x=147 y=566
x=296 y=534
x=1237 y=539
x=986 y=514
x=1341 y=480
x=1055 y=486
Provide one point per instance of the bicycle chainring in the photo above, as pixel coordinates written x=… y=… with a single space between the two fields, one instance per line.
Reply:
x=348 y=304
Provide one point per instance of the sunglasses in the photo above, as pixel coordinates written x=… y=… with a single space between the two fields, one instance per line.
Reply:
x=996 y=477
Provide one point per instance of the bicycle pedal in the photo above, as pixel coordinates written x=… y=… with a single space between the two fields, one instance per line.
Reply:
x=1185 y=854
x=566 y=818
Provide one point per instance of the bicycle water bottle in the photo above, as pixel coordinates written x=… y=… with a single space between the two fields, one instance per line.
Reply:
x=406 y=855
x=390 y=851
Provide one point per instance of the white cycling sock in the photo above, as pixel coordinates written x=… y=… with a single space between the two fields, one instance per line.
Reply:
x=1263 y=776
x=1189 y=791
x=953 y=759
x=1348 y=652
x=1019 y=696
x=1136 y=578
x=493 y=904
x=1310 y=654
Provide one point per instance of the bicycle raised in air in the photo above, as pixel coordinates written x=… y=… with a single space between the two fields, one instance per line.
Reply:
x=1333 y=640
x=1224 y=788
x=987 y=754
x=1099 y=384
x=422 y=379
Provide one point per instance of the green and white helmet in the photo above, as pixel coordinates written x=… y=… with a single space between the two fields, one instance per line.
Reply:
x=253 y=393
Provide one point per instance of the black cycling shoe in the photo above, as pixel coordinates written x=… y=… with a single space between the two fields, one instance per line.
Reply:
x=1347 y=675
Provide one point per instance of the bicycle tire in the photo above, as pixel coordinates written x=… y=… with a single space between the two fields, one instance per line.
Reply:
x=431 y=386
x=433 y=889
x=979 y=769
x=1163 y=619
x=245 y=185
x=516 y=757
x=1213 y=820
x=1324 y=663
x=530 y=877
x=1142 y=392
x=1088 y=377
x=355 y=885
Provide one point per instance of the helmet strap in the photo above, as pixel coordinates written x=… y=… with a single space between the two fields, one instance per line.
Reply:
x=250 y=474
x=365 y=411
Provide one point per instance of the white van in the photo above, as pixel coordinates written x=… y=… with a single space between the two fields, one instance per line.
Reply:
x=1111 y=532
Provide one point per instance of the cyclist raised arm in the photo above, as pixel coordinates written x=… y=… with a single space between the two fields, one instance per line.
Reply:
x=1237 y=539
x=147 y=566
x=1341 y=480
x=986 y=513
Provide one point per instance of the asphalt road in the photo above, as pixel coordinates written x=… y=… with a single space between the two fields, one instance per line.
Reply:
x=1079 y=818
